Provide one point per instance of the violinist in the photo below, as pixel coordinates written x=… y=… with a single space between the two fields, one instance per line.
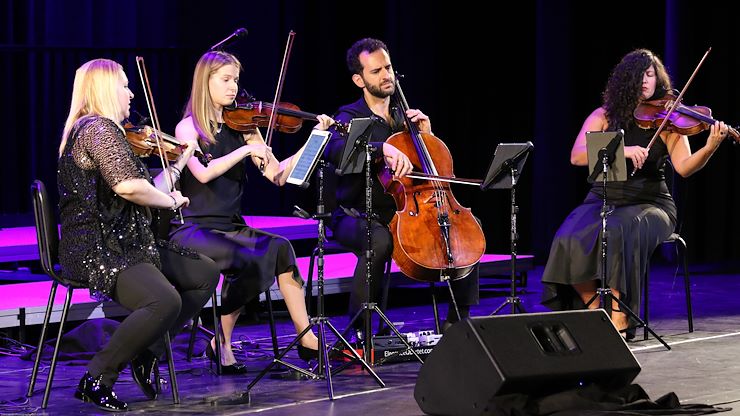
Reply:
x=213 y=222
x=369 y=62
x=644 y=213
x=107 y=244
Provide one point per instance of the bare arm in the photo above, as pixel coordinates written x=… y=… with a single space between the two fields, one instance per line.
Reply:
x=684 y=162
x=596 y=121
x=277 y=172
x=141 y=192
x=186 y=133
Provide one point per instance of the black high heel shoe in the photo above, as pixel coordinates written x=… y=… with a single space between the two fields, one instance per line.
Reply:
x=230 y=370
x=91 y=390
x=307 y=354
x=145 y=372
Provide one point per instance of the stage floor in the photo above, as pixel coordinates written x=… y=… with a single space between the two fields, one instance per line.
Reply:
x=702 y=367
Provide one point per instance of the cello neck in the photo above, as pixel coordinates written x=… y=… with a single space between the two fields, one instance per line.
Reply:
x=427 y=164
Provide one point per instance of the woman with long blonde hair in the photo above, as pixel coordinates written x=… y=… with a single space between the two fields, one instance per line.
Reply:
x=214 y=225
x=106 y=241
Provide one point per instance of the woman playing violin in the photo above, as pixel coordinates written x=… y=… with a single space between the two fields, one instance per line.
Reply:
x=106 y=241
x=250 y=258
x=644 y=213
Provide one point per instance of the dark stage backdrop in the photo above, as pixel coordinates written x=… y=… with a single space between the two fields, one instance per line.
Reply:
x=533 y=70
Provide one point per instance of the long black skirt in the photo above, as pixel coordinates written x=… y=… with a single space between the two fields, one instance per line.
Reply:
x=248 y=257
x=634 y=231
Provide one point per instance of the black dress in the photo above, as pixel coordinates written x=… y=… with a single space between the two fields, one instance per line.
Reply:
x=643 y=215
x=249 y=258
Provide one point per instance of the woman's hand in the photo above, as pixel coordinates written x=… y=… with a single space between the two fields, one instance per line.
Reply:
x=398 y=162
x=717 y=133
x=637 y=155
x=260 y=151
x=178 y=200
x=324 y=122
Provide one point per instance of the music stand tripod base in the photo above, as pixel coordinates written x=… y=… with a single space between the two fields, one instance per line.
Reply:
x=605 y=152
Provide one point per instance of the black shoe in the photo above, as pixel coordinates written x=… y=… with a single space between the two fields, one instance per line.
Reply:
x=229 y=370
x=307 y=354
x=145 y=371
x=91 y=390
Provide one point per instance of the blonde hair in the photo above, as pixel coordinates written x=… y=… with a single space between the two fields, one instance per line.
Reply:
x=200 y=105
x=94 y=93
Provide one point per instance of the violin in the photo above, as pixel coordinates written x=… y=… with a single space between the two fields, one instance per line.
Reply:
x=249 y=114
x=143 y=142
x=686 y=120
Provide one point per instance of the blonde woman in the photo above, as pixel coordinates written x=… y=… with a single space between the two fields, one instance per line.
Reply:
x=214 y=225
x=106 y=242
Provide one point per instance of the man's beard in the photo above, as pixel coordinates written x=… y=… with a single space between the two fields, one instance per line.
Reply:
x=379 y=92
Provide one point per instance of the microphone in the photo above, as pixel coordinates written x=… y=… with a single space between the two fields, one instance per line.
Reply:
x=238 y=33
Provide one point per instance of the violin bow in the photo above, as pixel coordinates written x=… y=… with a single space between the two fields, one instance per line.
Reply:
x=155 y=123
x=677 y=100
x=278 y=93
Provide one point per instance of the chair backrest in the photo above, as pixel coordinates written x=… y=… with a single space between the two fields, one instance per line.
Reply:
x=47 y=233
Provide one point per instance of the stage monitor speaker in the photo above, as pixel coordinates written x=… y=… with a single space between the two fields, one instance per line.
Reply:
x=533 y=354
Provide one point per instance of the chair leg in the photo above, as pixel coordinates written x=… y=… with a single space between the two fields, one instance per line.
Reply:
x=40 y=349
x=309 y=282
x=687 y=283
x=216 y=332
x=55 y=354
x=271 y=317
x=171 y=367
x=646 y=303
x=191 y=341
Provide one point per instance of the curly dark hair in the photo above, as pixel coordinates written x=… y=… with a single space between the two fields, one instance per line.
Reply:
x=623 y=89
x=368 y=45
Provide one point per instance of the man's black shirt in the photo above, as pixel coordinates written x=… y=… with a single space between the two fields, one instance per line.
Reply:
x=350 y=192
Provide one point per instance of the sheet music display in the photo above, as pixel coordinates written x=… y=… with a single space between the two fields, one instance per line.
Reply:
x=309 y=158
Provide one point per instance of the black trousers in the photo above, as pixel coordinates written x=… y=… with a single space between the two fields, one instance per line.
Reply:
x=159 y=301
x=350 y=232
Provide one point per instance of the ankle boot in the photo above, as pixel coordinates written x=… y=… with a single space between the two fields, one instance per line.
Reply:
x=145 y=372
x=92 y=390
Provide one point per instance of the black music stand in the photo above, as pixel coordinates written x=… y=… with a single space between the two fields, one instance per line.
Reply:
x=358 y=143
x=503 y=173
x=605 y=152
x=298 y=176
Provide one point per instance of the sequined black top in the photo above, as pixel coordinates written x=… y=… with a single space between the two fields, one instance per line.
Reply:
x=102 y=233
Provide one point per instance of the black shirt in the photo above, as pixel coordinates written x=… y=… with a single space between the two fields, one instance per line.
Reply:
x=220 y=199
x=350 y=192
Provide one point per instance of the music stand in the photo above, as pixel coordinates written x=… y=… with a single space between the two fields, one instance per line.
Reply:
x=302 y=170
x=503 y=173
x=606 y=162
x=358 y=143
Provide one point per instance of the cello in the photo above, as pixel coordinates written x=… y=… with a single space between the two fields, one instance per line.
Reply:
x=434 y=237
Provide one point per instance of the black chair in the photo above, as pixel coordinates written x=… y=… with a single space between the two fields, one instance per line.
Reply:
x=47 y=236
x=680 y=245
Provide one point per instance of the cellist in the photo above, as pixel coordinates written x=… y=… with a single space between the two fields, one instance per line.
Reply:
x=369 y=62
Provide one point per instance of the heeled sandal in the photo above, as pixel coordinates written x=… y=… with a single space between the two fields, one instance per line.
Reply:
x=230 y=370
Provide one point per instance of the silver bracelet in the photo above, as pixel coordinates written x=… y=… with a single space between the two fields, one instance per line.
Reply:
x=174 y=202
x=176 y=172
